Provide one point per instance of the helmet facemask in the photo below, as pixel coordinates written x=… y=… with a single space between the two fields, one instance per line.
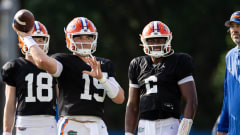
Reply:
x=80 y=47
x=39 y=31
x=44 y=46
x=156 y=30
x=157 y=50
x=81 y=26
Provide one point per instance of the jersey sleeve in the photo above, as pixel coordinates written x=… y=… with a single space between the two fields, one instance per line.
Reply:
x=8 y=73
x=132 y=72
x=60 y=64
x=110 y=68
x=184 y=67
x=58 y=57
x=224 y=121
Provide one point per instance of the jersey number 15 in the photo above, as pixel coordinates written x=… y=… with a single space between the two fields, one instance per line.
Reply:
x=86 y=95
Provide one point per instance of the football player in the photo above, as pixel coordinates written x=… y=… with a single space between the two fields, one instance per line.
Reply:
x=157 y=81
x=32 y=89
x=83 y=80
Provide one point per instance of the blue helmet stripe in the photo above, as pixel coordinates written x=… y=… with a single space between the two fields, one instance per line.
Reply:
x=39 y=27
x=81 y=22
x=153 y=26
x=35 y=26
x=157 y=26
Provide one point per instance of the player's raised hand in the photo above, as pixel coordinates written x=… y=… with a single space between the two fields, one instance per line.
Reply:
x=22 y=34
x=96 y=71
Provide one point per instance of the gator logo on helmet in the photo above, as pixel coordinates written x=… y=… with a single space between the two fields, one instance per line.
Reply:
x=166 y=28
x=73 y=26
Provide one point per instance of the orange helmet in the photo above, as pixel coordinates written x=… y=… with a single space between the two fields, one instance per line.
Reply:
x=39 y=30
x=81 y=26
x=157 y=29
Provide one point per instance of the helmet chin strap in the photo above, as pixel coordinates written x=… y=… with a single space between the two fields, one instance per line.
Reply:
x=163 y=54
x=170 y=53
x=81 y=51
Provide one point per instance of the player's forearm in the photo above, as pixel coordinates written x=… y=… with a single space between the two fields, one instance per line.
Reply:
x=190 y=109
x=131 y=119
x=119 y=99
x=38 y=56
x=8 y=125
x=42 y=60
x=9 y=108
x=8 y=118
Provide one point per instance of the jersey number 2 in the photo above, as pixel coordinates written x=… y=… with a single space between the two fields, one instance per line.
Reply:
x=40 y=88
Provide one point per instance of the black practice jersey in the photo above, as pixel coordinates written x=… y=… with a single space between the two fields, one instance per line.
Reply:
x=81 y=94
x=35 y=88
x=159 y=91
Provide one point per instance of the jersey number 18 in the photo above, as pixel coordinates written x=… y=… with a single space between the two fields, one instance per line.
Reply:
x=40 y=87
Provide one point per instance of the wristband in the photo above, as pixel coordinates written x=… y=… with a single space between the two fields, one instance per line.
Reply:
x=7 y=133
x=111 y=86
x=29 y=42
x=185 y=126
x=102 y=80
x=59 y=69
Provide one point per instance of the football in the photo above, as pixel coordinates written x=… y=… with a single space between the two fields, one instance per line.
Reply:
x=23 y=20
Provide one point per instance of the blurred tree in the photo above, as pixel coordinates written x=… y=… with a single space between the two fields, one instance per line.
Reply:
x=197 y=26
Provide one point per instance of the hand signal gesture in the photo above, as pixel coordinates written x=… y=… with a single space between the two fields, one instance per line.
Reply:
x=96 y=71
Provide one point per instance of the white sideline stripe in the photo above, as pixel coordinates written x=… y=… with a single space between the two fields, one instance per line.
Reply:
x=186 y=79
x=61 y=123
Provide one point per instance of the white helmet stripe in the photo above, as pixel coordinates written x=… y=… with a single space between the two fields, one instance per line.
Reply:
x=155 y=26
x=86 y=23
x=37 y=26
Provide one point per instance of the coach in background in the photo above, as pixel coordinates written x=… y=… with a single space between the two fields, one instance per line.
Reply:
x=157 y=81
x=230 y=115
x=32 y=89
